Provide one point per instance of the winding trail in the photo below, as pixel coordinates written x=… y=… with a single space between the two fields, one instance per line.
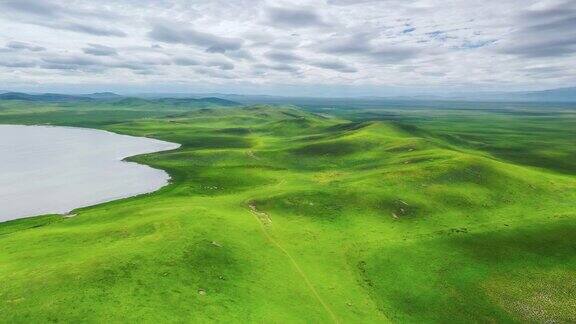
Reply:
x=264 y=220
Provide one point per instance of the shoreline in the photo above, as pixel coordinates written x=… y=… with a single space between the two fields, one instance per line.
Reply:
x=122 y=159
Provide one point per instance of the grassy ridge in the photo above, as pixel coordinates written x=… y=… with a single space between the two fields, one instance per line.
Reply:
x=280 y=215
x=535 y=135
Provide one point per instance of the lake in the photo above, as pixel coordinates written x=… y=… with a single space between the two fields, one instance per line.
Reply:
x=53 y=170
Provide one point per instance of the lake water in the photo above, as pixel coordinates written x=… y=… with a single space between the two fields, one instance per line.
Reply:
x=53 y=170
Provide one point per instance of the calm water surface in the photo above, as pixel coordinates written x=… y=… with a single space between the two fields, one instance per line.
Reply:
x=53 y=170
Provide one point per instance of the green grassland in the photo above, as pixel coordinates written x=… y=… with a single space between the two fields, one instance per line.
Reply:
x=277 y=214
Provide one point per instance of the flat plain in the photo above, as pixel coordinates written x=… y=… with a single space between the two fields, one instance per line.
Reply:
x=456 y=213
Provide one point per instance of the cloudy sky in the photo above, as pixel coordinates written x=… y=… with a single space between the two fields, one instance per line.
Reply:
x=296 y=47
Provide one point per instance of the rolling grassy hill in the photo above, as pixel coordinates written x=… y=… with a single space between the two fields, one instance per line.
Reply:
x=276 y=214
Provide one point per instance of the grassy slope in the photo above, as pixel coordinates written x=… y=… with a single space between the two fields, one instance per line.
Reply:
x=279 y=215
x=528 y=134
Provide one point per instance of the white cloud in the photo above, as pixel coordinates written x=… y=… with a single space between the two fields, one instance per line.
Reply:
x=100 y=50
x=24 y=46
x=367 y=44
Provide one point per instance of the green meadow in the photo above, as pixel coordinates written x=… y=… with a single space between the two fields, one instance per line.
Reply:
x=279 y=214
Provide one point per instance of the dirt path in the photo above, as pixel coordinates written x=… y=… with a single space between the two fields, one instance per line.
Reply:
x=264 y=220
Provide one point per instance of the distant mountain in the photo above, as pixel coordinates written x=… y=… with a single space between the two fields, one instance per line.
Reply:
x=219 y=101
x=46 y=97
x=103 y=96
x=551 y=95
x=131 y=102
x=119 y=100
x=177 y=102
x=561 y=94
x=197 y=102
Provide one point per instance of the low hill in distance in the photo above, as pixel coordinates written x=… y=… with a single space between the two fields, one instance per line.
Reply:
x=560 y=95
x=192 y=101
x=46 y=97
x=550 y=95
x=118 y=100
x=104 y=96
